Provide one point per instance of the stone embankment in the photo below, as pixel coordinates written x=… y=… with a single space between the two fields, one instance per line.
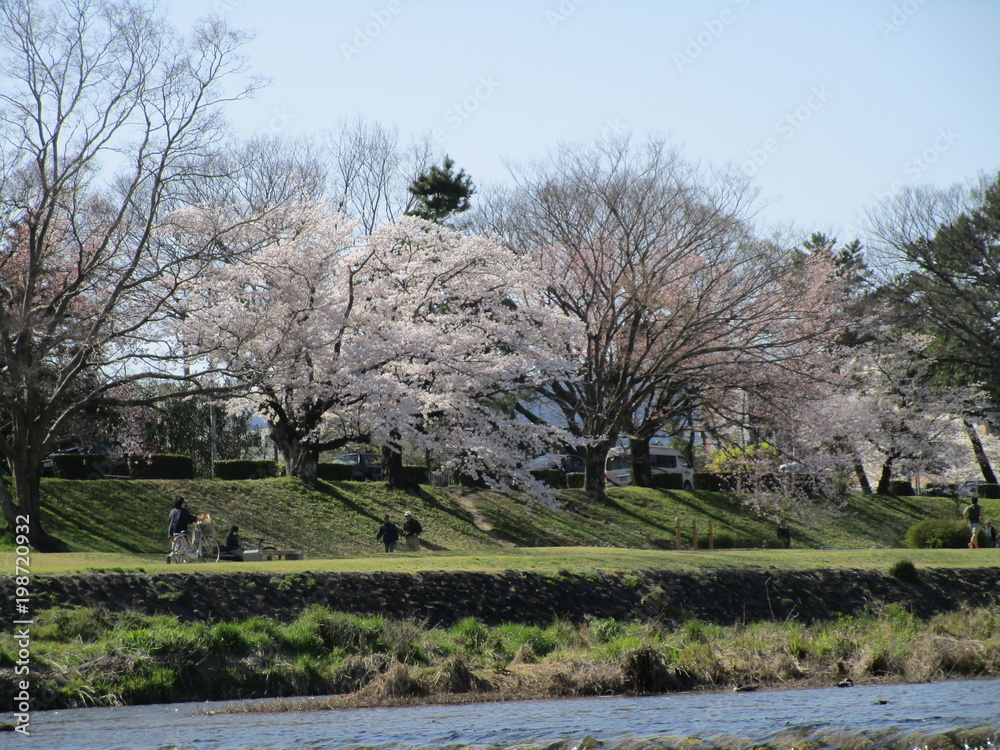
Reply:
x=724 y=597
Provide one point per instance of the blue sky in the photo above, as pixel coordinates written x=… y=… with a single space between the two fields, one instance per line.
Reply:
x=827 y=105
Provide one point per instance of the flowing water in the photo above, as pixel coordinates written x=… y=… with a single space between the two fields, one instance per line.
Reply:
x=894 y=711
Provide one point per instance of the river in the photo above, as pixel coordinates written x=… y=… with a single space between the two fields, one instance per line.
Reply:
x=896 y=711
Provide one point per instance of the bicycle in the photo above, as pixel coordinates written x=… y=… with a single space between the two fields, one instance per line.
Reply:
x=204 y=547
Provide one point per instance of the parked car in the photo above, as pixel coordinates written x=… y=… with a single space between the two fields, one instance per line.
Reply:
x=662 y=460
x=106 y=461
x=367 y=466
x=566 y=463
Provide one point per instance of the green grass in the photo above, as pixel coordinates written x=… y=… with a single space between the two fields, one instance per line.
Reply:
x=94 y=657
x=577 y=560
x=121 y=524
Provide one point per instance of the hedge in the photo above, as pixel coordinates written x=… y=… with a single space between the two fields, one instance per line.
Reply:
x=989 y=491
x=244 y=469
x=901 y=488
x=161 y=466
x=81 y=466
x=574 y=480
x=667 y=481
x=937 y=534
x=551 y=477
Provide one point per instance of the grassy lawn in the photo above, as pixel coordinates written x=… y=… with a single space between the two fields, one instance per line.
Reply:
x=121 y=524
x=536 y=559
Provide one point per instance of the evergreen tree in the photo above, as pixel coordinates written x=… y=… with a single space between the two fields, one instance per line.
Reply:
x=440 y=192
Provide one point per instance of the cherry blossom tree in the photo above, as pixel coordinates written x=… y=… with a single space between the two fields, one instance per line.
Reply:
x=109 y=120
x=411 y=336
x=889 y=412
x=658 y=262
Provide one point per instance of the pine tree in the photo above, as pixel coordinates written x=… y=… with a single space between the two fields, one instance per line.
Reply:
x=439 y=192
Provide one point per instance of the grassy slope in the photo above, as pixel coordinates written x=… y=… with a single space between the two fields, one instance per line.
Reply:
x=340 y=518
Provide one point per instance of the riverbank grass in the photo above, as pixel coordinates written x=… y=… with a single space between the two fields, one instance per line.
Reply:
x=85 y=657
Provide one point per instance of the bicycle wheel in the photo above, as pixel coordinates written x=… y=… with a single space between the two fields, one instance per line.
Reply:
x=210 y=549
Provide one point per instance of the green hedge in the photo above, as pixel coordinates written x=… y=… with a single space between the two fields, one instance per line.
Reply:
x=667 y=481
x=245 y=469
x=82 y=466
x=937 y=534
x=161 y=466
x=574 y=480
x=989 y=491
x=901 y=488
x=334 y=472
x=551 y=477
x=414 y=475
x=714 y=482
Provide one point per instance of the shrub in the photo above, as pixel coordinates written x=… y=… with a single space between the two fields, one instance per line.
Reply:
x=161 y=466
x=904 y=570
x=551 y=477
x=85 y=466
x=245 y=469
x=990 y=491
x=714 y=481
x=333 y=472
x=937 y=534
x=414 y=475
x=574 y=480
x=901 y=488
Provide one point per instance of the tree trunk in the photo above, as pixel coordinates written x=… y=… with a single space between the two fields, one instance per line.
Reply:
x=25 y=507
x=301 y=460
x=593 y=477
x=981 y=458
x=392 y=468
x=859 y=471
x=883 y=480
x=642 y=470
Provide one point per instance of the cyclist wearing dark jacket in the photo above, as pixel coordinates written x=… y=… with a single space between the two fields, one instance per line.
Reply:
x=180 y=518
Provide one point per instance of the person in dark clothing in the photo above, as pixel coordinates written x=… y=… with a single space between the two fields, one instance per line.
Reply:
x=973 y=516
x=180 y=518
x=784 y=534
x=388 y=532
x=233 y=544
x=412 y=531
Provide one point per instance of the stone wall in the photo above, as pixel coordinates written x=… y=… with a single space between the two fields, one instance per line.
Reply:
x=723 y=596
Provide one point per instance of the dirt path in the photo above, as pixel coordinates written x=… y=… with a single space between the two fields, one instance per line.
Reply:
x=480 y=520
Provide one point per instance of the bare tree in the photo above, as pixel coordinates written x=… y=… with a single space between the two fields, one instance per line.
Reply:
x=370 y=171
x=109 y=122
x=658 y=261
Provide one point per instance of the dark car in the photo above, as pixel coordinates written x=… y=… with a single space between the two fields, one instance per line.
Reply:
x=101 y=461
x=367 y=466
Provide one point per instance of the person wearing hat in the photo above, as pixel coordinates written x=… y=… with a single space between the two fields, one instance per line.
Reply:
x=411 y=531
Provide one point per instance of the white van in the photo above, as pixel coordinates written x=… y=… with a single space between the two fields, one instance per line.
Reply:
x=662 y=458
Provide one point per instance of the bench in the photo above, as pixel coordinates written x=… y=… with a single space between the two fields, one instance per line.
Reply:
x=270 y=553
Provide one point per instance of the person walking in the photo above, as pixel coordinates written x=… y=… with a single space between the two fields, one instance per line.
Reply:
x=784 y=534
x=388 y=532
x=972 y=516
x=412 y=531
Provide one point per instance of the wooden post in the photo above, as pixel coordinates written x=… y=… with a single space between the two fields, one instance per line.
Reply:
x=694 y=533
x=677 y=532
x=711 y=537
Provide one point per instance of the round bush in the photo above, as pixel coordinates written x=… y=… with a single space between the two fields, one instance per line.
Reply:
x=937 y=534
